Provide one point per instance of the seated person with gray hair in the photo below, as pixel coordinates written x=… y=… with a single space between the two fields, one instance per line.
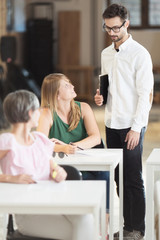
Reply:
x=26 y=157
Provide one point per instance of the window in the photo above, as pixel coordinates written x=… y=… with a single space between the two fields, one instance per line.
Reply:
x=9 y=16
x=154 y=13
x=143 y=13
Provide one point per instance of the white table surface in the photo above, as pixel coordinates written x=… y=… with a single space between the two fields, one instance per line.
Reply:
x=101 y=160
x=152 y=166
x=48 y=197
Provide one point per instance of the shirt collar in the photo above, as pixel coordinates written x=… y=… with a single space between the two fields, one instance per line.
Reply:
x=124 y=45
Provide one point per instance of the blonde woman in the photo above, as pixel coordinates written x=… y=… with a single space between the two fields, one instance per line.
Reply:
x=63 y=118
x=67 y=120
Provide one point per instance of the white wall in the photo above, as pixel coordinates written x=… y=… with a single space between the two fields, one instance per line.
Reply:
x=99 y=34
x=150 y=39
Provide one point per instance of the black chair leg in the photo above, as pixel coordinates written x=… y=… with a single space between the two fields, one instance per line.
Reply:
x=10 y=228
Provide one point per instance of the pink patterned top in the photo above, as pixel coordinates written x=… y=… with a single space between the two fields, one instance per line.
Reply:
x=33 y=160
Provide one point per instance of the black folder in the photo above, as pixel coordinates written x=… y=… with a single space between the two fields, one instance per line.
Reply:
x=103 y=87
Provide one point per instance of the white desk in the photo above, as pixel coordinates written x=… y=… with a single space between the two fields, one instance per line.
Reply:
x=48 y=197
x=101 y=160
x=152 y=165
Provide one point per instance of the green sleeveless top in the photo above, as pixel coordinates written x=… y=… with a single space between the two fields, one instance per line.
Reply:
x=60 y=131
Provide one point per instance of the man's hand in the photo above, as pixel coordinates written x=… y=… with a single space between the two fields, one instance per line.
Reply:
x=98 y=98
x=132 y=139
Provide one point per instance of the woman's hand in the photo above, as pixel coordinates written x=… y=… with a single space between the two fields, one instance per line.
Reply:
x=70 y=149
x=63 y=147
x=58 y=174
x=66 y=148
x=55 y=140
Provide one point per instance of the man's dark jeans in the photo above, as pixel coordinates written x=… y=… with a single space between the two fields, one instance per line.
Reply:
x=133 y=187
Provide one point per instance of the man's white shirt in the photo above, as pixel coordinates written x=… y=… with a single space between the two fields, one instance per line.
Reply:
x=130 y=85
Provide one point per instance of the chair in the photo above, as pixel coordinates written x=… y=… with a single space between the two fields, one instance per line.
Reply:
x=101 y=145
x=72 y=174
x=16 y=235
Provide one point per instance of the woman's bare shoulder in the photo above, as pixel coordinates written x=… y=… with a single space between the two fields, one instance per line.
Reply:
x=45 y=120
x=45 y=112
x=85 y=106
x=85 y=109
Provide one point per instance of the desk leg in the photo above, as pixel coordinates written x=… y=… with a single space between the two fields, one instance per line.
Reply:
x=4 y=225
x=103 y=215
x=159 y=224
x=96 y=223
x=149 y=202
x=111 y=203
x=121 y=198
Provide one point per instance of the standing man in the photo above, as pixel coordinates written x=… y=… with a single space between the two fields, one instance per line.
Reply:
x=129 y=68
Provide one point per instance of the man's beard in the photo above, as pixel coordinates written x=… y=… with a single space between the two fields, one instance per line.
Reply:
x=115 y=38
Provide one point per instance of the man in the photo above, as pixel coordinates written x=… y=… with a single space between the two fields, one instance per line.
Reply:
x=129 y=69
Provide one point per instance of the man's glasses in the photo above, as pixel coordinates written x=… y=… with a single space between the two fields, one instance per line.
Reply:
x=114 y=29
x=60 y=154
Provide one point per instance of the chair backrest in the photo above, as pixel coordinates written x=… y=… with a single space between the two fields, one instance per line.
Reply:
x=72 y=173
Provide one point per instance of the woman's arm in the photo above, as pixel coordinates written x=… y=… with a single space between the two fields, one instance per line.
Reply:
x=45 y=121
x=3 y=153
x=6 y=178
x=92 y=130
x=22 y=178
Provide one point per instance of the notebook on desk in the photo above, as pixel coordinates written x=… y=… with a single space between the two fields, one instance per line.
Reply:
x=103 y=87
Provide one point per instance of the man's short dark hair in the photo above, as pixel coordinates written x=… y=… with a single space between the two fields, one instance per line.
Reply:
x=116 y=10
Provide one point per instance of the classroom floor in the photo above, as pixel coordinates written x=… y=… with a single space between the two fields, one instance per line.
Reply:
x=152 y=140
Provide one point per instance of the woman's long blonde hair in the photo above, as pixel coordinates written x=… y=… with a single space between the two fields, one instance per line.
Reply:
x=49 y=95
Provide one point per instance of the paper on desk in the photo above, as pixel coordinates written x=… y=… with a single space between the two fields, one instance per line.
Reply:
x=96 y=152
x=49 y=186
